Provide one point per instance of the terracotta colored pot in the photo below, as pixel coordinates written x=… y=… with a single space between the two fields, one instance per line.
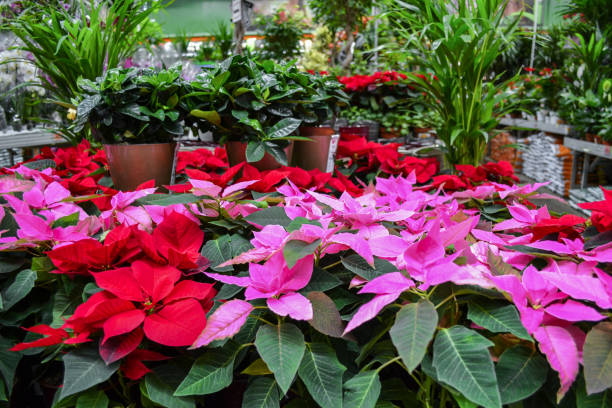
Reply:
x=385 y=133
x=319 y=152
x=354 y=132
x=131 y=165
x=236 y=154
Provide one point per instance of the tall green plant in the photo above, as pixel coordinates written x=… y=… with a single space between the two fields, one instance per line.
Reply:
x=65 y=48
x=457 y=45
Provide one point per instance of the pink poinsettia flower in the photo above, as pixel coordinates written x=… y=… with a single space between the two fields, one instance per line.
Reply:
x=122 y=212
x=387 y=289
x=522 y=217
x=576 y=248
x=38 y=229
x=278 y=284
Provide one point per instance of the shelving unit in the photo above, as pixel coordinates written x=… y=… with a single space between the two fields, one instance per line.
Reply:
x=537 y=125
x=30 y=138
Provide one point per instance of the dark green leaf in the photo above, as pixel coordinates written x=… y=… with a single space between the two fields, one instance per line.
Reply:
x=412 y=331
x=160 y=392
x=362 y=391
x=42 y=264
x=322 y=373
x=297 y=223
x=218 y=251
x=18 y=289
x=321 y=281
x=520 y=373
x=261 y=393
x=599 y=400
x=282 y=348
x=270 y=216
x=8 y=265
x=255 y=151
x=211 y=116
x=84 y=368
x=360 y=266
x=9 y=360
x=597 y=358
x=284 y=127
x=210 y=373
x=462 y=360
x=497 y=317
x=92 y=399
x=295 y=250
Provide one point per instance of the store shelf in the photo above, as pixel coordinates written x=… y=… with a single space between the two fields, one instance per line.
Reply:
x=29 y=138
x=583 y=146
x=537 y=125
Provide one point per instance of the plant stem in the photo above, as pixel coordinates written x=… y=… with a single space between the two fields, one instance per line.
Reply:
x=393 y=360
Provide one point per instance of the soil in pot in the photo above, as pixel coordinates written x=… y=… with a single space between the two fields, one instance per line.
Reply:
x=132 y=165
x=236 y=154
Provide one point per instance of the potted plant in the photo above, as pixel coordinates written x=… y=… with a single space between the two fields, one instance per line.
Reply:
x=320 y=150
x=136 y=115
x=254 y=108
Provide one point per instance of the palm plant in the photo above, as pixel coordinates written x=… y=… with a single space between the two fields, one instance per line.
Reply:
x=457 y=45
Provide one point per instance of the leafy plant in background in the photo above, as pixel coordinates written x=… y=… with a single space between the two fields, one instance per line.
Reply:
x=457 y=50
x=341 y=15
x=260 y=103
x=223 y=37
x=65 y=48
x=316 y=59
x=283 y=32
x=132 y=106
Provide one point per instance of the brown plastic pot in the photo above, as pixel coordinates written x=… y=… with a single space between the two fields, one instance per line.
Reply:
x=236 y=154
x=131 y=165
x=319 y=152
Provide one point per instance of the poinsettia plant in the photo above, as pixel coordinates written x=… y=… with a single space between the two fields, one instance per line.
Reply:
x=412 y=290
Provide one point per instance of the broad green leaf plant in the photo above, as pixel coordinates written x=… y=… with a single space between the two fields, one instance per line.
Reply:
x=456 y=45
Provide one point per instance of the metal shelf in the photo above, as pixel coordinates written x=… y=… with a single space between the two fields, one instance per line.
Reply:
x=30 y=138
x=537 y=125
x=583 y=146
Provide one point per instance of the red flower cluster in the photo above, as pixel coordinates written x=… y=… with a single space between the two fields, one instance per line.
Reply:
x=601 y=211
x=202 y=159
x=358 y=83
x=269 y=180
x=372 y=157
x=500 y=172
x=144 y=293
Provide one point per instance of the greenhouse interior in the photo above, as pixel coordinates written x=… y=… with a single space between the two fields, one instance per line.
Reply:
x=305 y=203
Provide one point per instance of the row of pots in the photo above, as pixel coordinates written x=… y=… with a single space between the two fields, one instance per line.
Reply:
x=132 y=165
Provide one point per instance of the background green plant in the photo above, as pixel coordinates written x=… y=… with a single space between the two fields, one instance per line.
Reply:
x=458 y=45
x=65 y=48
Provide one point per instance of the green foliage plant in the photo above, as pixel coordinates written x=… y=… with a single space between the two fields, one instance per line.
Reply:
x=261 y=103
x=457 y=45
x=65 y=48
x=282 y=33
x=127 y=105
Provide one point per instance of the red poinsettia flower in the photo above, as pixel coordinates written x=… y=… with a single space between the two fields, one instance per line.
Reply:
x=145 y=299
x=52 y=337
x=601 y=211
x=449 y=182
x=471 y=173
x=88 y=255
x=566 y=226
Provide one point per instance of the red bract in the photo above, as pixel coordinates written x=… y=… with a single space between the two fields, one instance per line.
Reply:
x=601 y=211
x=449 y=182
x=132 y=366
x=52 y=337
x=567 y=227
x=84 y=256
x=145 y=299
